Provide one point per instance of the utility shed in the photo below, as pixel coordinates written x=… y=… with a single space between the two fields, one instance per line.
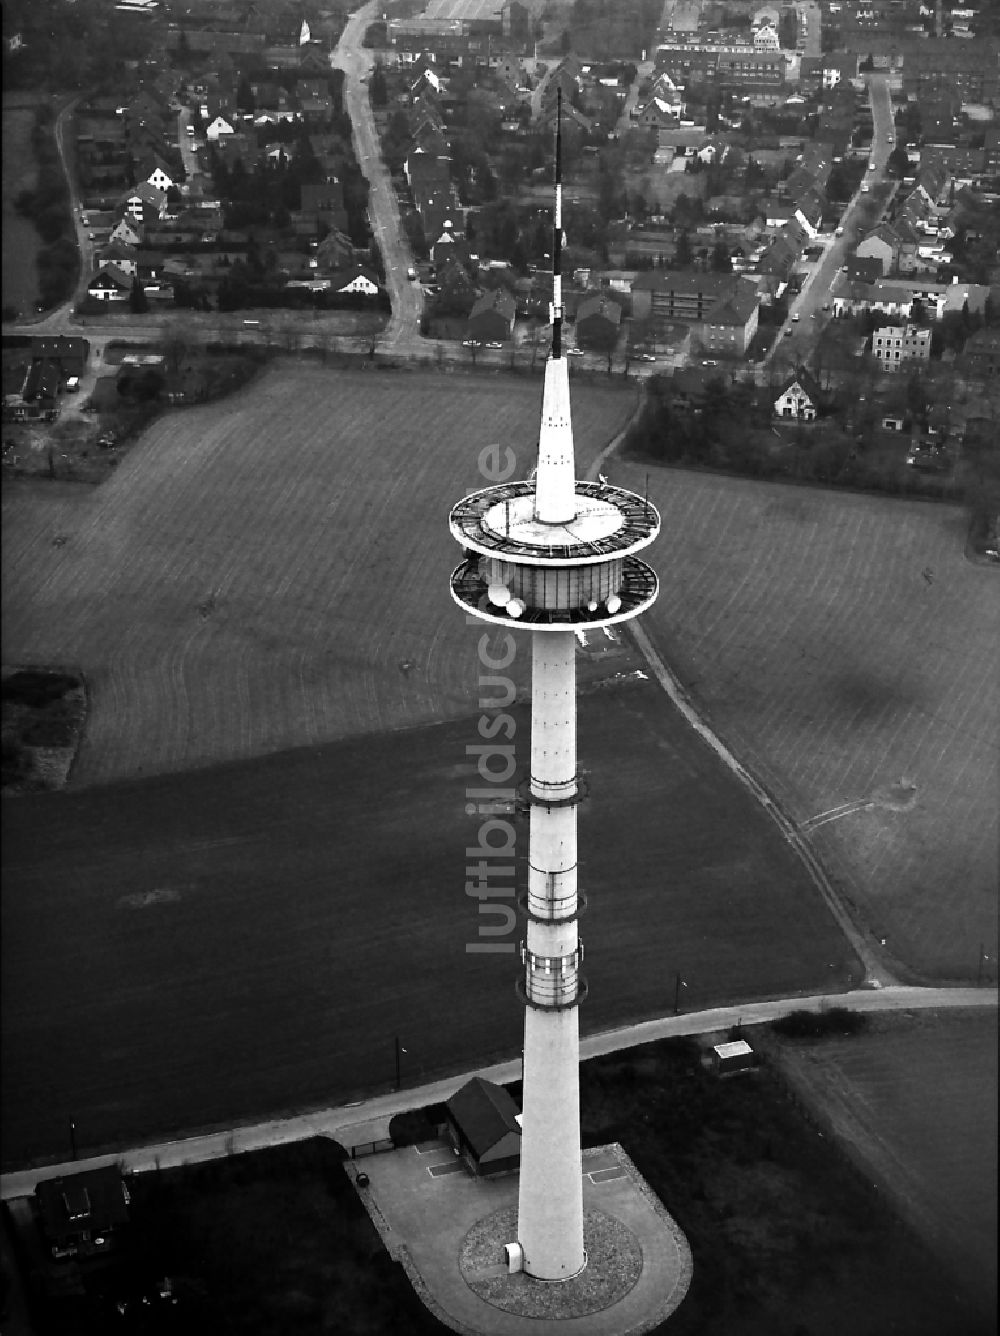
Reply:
x=481 y=1123
x=736 y=1056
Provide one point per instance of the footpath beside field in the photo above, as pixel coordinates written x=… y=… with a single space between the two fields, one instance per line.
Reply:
x=368 y=1120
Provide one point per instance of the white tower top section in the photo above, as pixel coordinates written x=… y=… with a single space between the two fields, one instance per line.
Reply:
x=555 y=481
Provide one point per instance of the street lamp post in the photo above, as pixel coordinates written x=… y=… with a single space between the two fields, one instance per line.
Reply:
x=678 y=985
x=983 y=958
x=399 y=1051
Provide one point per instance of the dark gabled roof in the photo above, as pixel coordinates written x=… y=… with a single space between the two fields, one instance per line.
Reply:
x=735 y=310
x=58 y=346
x=92 y=1201
x=600 y=306
x=484 y=1113
x=497 y=299
x=806 y=382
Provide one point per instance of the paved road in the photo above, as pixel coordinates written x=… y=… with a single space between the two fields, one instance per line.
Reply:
x=406 y=296
x=354 y=1124
x=808 y=305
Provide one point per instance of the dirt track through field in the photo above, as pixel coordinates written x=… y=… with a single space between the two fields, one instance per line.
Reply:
x=840 y=644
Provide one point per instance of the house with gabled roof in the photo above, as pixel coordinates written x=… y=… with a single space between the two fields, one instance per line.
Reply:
x=128 y=231
x=355 y=281
x=145 y=202
x=598 y=322
x=730 y=326
x=491 y=319
x=882 y=245
x=799 y=398
x=808 y=212
x=155 y=171
x=481 y=1122
x=126 y=258
x=334 y=253
x=219 y=127
x=110 y=284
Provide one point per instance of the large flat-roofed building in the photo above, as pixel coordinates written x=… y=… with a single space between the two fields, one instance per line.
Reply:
x=726 y=66
x=943 y=68
x=450 y=25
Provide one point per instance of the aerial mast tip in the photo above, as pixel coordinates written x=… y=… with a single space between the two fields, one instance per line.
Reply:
x=557 y=238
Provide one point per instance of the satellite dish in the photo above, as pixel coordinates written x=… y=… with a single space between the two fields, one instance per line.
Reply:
x=499 y=595
x=613 y=603
x=515 y=607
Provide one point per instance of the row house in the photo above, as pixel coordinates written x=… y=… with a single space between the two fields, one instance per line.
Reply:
x=897 y=298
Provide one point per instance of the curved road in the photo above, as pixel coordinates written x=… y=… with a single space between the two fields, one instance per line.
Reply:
x=406 y=296
x=807 y=306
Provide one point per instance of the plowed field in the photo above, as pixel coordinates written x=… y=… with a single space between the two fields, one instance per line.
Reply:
x=271 y=571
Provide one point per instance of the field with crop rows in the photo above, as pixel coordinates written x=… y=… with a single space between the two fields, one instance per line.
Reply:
x=271 y=571
x=840 y=643
x=916 y=1098
x=213 y=946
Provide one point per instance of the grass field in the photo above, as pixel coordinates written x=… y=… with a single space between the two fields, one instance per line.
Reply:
x=787 y=1238
x=838 y=643
x=20 y=240
x=916 y=1098
x=258 y=571
x=198 y=949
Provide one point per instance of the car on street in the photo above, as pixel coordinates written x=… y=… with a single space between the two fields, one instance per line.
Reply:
x=470 y=343
x=646 y=357
x=574 y=352
x=795 y=316
x=788 y=333
x=494 y=345
x=838 y=232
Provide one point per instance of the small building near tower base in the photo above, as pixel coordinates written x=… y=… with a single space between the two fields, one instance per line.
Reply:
x=736 y=1056
x=481 y=1124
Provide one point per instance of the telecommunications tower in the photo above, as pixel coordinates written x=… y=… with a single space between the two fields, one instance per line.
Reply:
x=556 y=556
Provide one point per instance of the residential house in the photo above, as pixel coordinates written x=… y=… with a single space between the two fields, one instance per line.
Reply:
x=598 y=322
x=126 y=258
x=980 y=358
x=355 y=281
x=80 y=1214
x=864 y=268
x=481 y=1122
x=896 y=347
x=68 y=352
x=110 y=284
x=656 y=114
x=882 y=246
x=145 y=204
x=127 y=232
x=491 y=319
x=154 y=170
x=729 y=327
x=219 y=128
x=808 y=212
x=799 y=398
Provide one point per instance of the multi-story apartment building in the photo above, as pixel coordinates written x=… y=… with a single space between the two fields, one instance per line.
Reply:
x=898 y=346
